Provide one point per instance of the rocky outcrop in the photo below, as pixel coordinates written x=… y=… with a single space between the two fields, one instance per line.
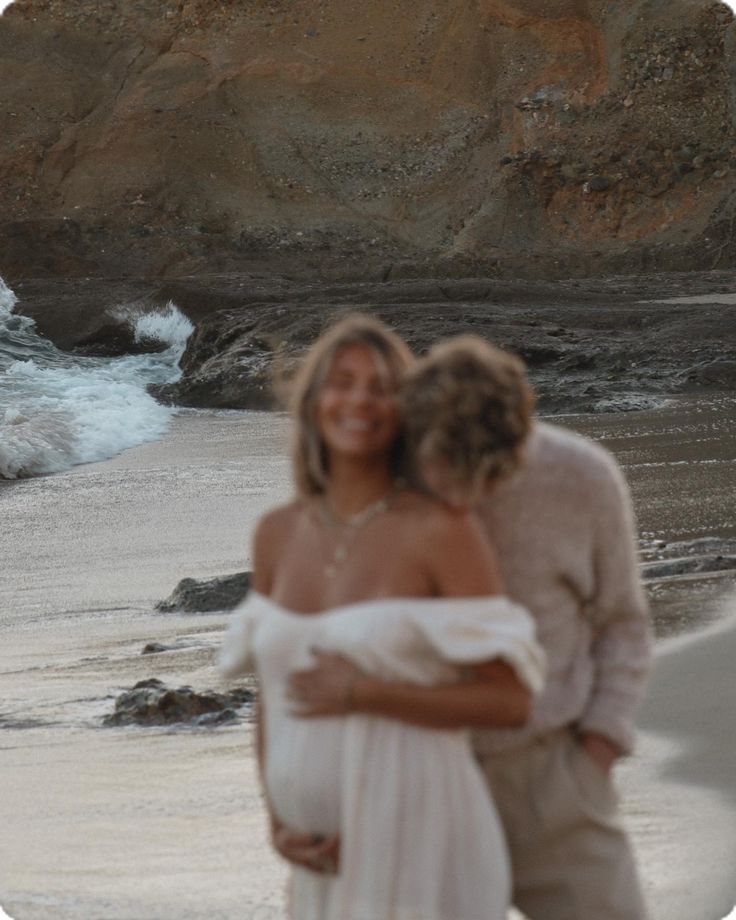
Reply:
x=205 y=595
x=150 y=702
x=366 y=140
x=590 y=346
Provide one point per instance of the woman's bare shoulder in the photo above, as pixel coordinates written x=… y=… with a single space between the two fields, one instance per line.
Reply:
x=279 y=521
x=271 y=536
x=454 y=547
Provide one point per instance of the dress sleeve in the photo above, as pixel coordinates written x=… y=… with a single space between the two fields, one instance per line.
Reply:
x=236 y=655
x=469 y=631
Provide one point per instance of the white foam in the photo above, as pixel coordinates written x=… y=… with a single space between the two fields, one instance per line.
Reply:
x=57 y=411
x=168 y=325
x=8 y=300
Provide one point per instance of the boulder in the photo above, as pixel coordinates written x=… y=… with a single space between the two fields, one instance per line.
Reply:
x=151 y=702
x=208 y=594
x=154 y=648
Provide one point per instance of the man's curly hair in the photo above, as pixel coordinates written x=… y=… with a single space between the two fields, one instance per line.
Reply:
x=469 y=406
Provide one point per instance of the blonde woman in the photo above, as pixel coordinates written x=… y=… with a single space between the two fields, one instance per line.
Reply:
x=378 y=803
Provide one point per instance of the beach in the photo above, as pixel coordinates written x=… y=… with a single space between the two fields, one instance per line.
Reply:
x=165 y=823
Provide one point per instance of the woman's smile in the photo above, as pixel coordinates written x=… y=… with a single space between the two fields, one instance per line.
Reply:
x=356 y=407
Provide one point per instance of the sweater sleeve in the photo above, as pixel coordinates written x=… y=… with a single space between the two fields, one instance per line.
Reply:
x=622 y=634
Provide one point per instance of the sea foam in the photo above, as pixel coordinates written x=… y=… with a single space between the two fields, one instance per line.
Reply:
x=169 y=326
x=59 y=410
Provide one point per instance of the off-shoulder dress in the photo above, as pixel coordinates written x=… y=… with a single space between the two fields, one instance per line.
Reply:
x=420 y=837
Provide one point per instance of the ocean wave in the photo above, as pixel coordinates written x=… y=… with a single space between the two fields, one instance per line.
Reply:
x=167 y=325
x=59 y=410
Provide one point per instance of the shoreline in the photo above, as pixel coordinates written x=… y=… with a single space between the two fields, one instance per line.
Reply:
x=166 y=823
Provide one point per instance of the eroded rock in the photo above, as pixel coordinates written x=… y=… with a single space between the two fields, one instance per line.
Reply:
x=151 y=702
x=208 y=594
x=155 y=648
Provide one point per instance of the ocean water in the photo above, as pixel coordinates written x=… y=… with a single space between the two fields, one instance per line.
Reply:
x=58 y=410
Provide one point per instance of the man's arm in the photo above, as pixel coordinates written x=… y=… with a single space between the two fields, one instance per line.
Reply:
x=462 y=563
x=492 y=696
x=622 y=645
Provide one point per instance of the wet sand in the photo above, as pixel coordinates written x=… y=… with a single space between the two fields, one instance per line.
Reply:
x=160 y=823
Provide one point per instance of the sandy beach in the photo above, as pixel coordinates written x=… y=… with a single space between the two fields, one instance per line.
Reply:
x=132 y=823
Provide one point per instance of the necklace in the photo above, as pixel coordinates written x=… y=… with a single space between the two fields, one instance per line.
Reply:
x=349 y=528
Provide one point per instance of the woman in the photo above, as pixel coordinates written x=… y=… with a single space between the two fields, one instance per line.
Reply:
x=361 y=566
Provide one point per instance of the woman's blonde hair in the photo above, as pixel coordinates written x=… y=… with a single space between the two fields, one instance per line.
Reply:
x=309 y=457
x=468 y=405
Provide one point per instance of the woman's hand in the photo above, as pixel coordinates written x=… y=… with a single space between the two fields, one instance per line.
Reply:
x=327 y=689
x=318 y=854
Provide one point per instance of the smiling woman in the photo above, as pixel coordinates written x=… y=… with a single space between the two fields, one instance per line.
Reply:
x=388 y=584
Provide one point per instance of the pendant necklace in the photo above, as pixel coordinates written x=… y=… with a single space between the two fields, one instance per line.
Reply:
x=349 y=528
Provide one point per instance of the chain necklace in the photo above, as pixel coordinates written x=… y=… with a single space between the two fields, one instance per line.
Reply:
x=352 y=526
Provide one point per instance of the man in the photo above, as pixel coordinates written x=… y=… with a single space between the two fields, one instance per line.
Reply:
x=563 y=528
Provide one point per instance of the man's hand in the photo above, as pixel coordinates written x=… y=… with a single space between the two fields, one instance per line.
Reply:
x=327 y=689
x=318 y=854
x=600 y=749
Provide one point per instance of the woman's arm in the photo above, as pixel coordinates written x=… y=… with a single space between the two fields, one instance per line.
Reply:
x=493 y=697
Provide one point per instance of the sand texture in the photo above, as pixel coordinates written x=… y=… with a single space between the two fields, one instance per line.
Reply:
x=166 y=824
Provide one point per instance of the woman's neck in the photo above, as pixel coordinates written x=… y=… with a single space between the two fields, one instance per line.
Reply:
x=353 y=486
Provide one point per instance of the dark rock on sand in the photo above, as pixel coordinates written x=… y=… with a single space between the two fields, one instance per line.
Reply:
x=154 y=648
x=205 y=595
x=151 y=702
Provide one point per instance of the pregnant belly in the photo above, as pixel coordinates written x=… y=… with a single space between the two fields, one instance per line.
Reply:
x=303 y=772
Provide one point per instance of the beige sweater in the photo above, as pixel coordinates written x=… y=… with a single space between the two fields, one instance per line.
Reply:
x=564 y=531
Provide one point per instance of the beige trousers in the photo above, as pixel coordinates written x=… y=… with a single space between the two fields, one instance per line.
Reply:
x=570 y=857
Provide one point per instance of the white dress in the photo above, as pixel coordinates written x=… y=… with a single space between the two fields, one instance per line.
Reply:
x=419 y=835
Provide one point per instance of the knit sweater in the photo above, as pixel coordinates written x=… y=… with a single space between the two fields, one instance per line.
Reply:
x=563 y=529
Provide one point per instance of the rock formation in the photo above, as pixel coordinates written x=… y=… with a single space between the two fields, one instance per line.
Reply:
x=151 y=702
x=205 y=595
x=366 y=139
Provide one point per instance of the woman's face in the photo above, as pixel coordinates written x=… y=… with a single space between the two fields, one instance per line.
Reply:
x=357 y=414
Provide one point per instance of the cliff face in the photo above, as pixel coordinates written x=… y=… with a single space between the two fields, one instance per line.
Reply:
x=367 y=138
